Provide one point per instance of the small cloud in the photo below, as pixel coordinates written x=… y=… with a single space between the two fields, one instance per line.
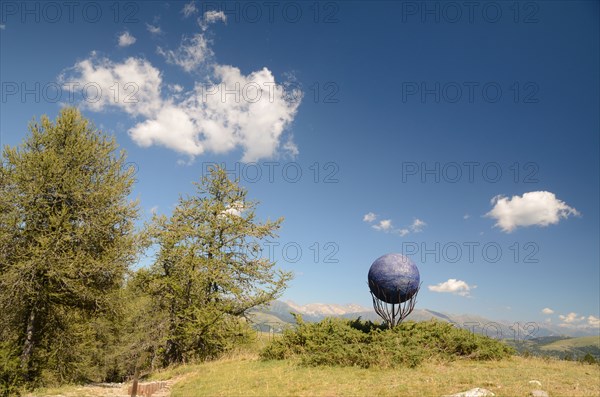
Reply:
x=191 y=53
x=176 y=88
x=403 y=232
x=384 y=225
x=417 y=225
x=2 y=26
x=369 y=217
x=189 y=9
x=575 y=321
x=291 y=148
x=153 y=29
x=453 y=286
x=126 y=39
x=547 y=310
x=466 y=216
x=533 y=208
x=235 y=209
x=571 y=318
x=212 y=16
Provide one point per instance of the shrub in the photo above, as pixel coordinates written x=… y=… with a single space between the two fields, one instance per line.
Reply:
x=366 y=344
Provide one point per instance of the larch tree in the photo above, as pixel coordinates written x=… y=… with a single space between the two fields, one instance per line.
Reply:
x=67 y=239
x=209 y=269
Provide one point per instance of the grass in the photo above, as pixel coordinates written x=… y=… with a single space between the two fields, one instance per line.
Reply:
x=567 y=344
x=251 y=377
x=242 y=373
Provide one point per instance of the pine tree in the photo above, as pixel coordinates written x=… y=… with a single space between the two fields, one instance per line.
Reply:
x=209 y=270
x=67 y=238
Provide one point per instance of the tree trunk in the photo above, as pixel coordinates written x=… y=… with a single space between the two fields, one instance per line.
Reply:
x=29 y=341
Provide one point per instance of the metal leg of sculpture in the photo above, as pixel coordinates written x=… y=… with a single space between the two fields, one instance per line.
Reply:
x=394 y=313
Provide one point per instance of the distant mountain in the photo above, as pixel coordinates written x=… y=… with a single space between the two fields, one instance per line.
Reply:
x=324 y=309
x=561 y=347
x=278 y=314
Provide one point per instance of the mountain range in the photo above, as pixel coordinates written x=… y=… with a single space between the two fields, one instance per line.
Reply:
x=278 y=315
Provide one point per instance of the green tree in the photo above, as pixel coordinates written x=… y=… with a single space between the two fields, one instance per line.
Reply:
x=209 y=270
x=67 y=238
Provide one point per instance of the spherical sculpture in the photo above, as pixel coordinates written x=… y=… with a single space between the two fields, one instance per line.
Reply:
x=394 y=278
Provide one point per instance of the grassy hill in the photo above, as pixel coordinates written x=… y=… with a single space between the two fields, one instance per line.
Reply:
x=242 y=373
x=573 y=343
x=560 y=347
x=248 y=376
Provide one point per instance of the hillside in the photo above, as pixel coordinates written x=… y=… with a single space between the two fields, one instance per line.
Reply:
x=560 y=347
x=518 y=331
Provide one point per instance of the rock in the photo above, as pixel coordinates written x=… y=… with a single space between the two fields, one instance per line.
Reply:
x=539 y=393
x=476 y=392
x=535 y=382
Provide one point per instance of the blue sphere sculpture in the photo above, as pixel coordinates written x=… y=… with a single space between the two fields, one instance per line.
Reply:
x=394 y=278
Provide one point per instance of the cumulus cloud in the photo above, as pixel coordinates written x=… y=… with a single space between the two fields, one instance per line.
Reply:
x=191 y=53
x=369 y=217
x=126 y=39
x=466 y=216
x=2 y=26
x=384 y=225
x=593 y=321
x=189 y=9
x=547 y=310
x=453 y=286
x=417 y=225
x=153 y=29
x=133 y=85
x=534 y=208
x=225 y=111
x=575 y=321
x=571 y=318
x=403 y=232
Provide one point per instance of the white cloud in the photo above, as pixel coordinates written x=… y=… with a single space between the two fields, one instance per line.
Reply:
x=126 y=39
x=466 y=216
x=291 y=148
x=191 y=53
x=384 y=225
x=199 y=122
x=575 y=321
x=194 y=121
x=153 y=29
x=210 y=17
x=417 y=225
x=235 y=209
x=547 y=310
x=534 y=208
x=2 y=26
x=189 y=9
x=133 y=85
x=369 y=217
x=453 y=286
x=571 y=318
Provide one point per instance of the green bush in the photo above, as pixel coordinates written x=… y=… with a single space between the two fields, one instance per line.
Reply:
x=367 y=344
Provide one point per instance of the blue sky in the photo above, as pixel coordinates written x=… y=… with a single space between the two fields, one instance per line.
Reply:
x=466 y=136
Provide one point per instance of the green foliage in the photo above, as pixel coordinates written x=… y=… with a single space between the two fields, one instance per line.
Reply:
x=208 y=271
x=366 y=344
x=67 y=239
x=589 y=359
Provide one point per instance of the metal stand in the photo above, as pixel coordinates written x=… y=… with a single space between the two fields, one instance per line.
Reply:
x=393 y=313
